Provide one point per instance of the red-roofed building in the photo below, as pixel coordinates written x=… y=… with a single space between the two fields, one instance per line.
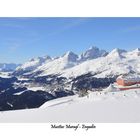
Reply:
x=128 y=80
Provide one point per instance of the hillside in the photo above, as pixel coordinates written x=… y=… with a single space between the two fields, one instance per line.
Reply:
x=42 y=79
x=99 y=107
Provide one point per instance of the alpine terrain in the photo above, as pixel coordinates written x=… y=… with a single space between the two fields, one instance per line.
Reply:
x=92 y=75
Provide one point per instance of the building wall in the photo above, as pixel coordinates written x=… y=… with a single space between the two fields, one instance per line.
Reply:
x=126 y=83
x=120 y=82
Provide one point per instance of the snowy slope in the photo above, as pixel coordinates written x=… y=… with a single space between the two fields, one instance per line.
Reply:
x=121 y=106
x=33 y=63
x=115 y=63
x=60 y=64
x=98 y=62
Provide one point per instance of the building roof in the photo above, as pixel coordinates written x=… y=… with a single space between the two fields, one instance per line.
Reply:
x=130 y=77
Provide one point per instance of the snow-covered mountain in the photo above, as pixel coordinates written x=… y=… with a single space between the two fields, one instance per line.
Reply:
x=45 y=78
x=32 y=64
x=70 y=57
x=117 y=53
x=59 y=64
x=49 y=65
x=115 y=63
x=92 y=53
x=8 y=66
x=98 y=62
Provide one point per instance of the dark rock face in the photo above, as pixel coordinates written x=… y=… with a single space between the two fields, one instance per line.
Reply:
x=20 y=72
x=60 y=94
x=50 y=79
x=9 y=100
x=6 y=83
x=28 y=99
x=89 y=82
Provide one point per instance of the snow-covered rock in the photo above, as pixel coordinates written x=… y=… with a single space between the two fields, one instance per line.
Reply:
x=117 y=53
x=92 y=53
x=134 y=53
x=117 y=62
x=70 y=56
x=33 y=63
x=59 y=64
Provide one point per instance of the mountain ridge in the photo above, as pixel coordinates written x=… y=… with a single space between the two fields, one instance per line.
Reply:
x=94 y=60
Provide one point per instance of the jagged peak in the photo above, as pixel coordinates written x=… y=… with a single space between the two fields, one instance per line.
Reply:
x=70 y=56
x=118 y=50
x=137 y=50
x=46 y=57
x=92 y=53
x=69 y=53
x=117 y=53
x=93 y=48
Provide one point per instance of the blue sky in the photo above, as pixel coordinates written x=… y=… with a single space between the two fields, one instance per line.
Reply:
x=25 y=38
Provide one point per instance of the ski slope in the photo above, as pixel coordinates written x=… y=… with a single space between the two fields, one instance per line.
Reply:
x=98 y=107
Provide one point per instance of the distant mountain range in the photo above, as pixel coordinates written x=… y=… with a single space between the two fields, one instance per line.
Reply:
x=8 y=66
x=47 y=65
x=98 y=62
